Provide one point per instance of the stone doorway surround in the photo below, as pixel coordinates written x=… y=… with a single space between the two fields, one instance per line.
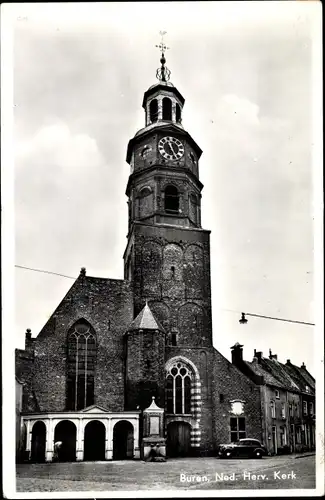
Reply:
x=81 y=419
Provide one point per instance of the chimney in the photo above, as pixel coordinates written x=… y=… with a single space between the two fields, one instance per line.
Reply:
x=303 y=366
x=288 y=362
x=237 y=354
x=258 y=355
x=272 y=356
x=83 y=271
x=28 y=340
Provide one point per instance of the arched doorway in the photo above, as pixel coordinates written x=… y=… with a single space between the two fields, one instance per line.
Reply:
x=178 y=439
x=38 y=442
x=123 y=440
x=94 y=443
x=66 y=433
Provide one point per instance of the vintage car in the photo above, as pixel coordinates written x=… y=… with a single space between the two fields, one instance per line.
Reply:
x=247 y=447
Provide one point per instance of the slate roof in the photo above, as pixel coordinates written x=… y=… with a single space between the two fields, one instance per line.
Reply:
x=284 y=376
x=146 y=321
x=269 y=378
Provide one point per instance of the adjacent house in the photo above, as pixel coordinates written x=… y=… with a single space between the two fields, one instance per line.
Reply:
x=287 y=395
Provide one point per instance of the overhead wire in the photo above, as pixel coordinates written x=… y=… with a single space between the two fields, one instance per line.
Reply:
x=243 y=320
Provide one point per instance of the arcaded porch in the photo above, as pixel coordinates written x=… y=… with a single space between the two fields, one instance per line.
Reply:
x=92 y=434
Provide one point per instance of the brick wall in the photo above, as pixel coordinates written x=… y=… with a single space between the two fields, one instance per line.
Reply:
x=145 y=369
x=172 y=272
x=229 y=382
x=107 y=306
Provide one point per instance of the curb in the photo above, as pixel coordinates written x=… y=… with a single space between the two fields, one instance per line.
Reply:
x=307 y=455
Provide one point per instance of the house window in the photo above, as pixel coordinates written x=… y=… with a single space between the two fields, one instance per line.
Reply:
x=283 y=410
x=304 y=403
x=237 y=428
x=81 y=366
x=272 y=407
x=171 y=199
x=221 y=398
x=311 y=408
x=277 y=394
x=178 y=389
x=307 y=388
x=283 y=436
x=290 y=409
x=303 y=434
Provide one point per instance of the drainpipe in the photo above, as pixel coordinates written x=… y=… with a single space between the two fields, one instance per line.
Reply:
x=264 y=415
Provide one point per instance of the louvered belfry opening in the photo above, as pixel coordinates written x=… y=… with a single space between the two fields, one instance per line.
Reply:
x=171 y=199
x=166 y=108
x=153 y=109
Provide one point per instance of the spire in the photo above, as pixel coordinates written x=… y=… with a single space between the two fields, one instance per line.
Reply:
x=162 y=73
x=146 y=321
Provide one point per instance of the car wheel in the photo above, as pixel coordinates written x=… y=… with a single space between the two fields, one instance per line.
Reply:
x=228 y=454
x=258 y=454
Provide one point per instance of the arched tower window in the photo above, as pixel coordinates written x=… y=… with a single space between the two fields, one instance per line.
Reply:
x=178 y=388
x=153 y=109
x=81 y=366
x=166 y=108
x=171 y=199
x=178 y=113
x=145 y=202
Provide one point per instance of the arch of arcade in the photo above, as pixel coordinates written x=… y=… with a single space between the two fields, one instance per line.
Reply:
x=80 y=419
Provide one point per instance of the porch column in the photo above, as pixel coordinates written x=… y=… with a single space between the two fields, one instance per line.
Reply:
x=28 y=438
x=108 y=440
x=80 y=441
x=49 y=440
x=136 y=444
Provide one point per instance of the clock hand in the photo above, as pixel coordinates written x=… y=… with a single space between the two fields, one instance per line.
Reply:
x=171 y=147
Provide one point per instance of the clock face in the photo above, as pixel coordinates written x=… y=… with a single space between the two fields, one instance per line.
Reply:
x=171 y=148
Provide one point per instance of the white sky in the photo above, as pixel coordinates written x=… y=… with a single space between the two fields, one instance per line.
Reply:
x=245 y=70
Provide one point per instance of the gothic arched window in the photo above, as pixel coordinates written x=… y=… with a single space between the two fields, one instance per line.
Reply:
x=166 y=108
x=153 y=110
x=81 y=366
x=178 y=113
x=178 y=389
x=171 y=199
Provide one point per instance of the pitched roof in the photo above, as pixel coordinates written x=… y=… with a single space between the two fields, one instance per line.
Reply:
x=146 y=321
x=285 y=376
x=269 y=378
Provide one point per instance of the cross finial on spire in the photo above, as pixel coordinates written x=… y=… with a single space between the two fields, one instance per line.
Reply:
x=163 y=73
x=162 y=46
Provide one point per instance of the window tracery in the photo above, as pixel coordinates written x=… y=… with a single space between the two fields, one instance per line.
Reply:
x=81 y=366
x=178 y=388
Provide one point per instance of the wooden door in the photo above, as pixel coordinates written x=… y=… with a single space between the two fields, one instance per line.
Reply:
x=178 y=439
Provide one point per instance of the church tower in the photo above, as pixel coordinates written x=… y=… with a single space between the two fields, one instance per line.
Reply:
x=167 y=257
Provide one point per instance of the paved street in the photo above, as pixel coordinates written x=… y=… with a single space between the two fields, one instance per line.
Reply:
x=190 y=473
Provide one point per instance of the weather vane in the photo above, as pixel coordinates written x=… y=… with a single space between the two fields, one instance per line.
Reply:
x=163 y=73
